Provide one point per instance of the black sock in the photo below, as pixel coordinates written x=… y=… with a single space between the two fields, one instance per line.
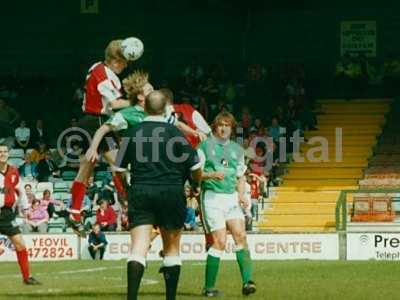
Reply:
x=171 y=277
x=135 y=274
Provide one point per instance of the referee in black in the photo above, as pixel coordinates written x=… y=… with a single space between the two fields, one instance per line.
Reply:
x=161 y=160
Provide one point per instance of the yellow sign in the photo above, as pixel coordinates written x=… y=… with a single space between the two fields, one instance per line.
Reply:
x=89 y=6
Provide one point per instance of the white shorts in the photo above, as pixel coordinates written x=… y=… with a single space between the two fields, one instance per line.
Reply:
x=217 y=208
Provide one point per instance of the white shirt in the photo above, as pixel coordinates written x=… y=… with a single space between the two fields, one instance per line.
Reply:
x=22 y=134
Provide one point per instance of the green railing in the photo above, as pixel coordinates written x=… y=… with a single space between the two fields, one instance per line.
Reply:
x=341 y=204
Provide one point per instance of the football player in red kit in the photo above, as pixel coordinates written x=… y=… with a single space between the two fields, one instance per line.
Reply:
x=102 y=96
x=12 y=194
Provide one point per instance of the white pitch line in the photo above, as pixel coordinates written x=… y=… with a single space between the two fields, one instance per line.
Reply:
x=91 y=270
x=58 y=291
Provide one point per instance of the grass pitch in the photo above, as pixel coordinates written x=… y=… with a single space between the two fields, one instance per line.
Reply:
x=297 y=280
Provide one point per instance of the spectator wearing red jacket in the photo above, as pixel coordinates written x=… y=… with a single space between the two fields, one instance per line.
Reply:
x=106 y=217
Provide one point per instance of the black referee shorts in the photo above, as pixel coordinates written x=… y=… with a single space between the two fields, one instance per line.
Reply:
x=7 y=222
x=90 y=124
x=163 y=206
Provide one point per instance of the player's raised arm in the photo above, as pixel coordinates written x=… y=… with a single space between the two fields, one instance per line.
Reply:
x=119 y=103
x=92 y=153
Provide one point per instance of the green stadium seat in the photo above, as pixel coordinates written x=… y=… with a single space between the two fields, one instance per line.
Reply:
x=100 y=175
x=69 y=175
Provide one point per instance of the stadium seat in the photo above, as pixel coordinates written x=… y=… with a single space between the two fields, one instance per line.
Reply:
x=41 y=186
x=306 y=200
x=61 y=186
x=16 y=162
x=62 y=196
x=69 y=175
x=56 y=225
x=100 y=175
x=17 y=153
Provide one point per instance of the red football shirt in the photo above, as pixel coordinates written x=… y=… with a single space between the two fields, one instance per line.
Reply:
x=191 y=117
x=102 y=87
x=11 y=189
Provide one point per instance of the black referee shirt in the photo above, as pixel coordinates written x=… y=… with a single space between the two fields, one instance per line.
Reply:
x=158 y=153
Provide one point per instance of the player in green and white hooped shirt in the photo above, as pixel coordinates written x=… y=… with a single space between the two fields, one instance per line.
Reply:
x=223 y=194
x=137 y=87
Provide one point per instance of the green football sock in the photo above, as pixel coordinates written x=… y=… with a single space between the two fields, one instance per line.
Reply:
x=212 y=268
x=245 y=264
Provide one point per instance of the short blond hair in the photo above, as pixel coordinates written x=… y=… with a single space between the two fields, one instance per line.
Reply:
x=114 y=51
x=134 y=83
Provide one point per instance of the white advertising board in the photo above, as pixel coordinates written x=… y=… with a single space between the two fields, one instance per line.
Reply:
x=262 y=247
x=43 y=247
x=379 y=246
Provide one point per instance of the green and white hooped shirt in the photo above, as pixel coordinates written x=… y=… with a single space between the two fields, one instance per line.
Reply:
x=223 y=156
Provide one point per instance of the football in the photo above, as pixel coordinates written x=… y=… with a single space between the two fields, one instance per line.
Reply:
x=132 y=48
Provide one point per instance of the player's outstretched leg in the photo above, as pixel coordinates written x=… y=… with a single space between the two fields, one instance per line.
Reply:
x=78 y=191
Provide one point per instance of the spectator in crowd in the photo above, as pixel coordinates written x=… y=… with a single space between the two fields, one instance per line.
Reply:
x=106 y=217
x=210 y=91
x=291 y=116
x=275 y=130
x=258 y=165
x=307 y=118
x=230 y=92
x=194 y=70
x=246 y=206
x=255 y=182
x=39 y=134
x=28 y=169
x=97 y=242
x=124 y=221
x=257 y=125
x=246 y=120
x=49 y=203
x=86 y=209
x=203 y=108
x=77 y=100
x=71 y=158
x=107 y=191
x=249 y=153
x=8 y=117
x=38 y=153
x=29 y=194
x=37 y=218
x=191 y=208
x=92 y=190
x=47 y=169
x=22 y=136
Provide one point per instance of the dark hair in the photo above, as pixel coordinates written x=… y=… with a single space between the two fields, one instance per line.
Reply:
x=27 y=185
x=4 y=145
